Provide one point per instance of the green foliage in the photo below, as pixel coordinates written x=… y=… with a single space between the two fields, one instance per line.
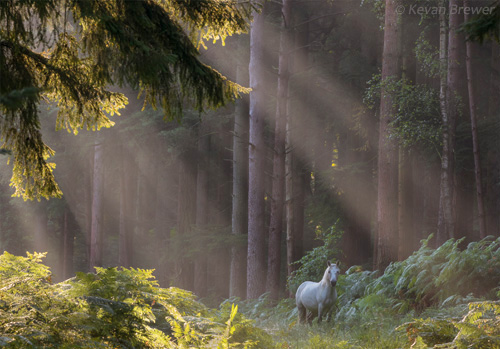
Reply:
x=484 y=26
x=479 y=328
x=417 y=120
x=445 y=274
x=427 y=56
x=149 y=45
x=113 y=308
x=427 y=300
x=313 y=264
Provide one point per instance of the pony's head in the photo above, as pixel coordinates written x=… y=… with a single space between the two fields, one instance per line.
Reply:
x=332 y=273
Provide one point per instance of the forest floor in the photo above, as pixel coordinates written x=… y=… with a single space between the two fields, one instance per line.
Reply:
x=435 y=327
x=437 y=298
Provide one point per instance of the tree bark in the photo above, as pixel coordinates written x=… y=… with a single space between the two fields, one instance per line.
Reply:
x=41 y=231
x=186 y=215
x=200 y=265
x=278 y=186
x=239 y=215
x=405 y=202
x=296 y=149
x=256 y=264
x=493 y=168
x=68 y=238
x=128 y=193
x=475 y=141
x=97 y=206
x=449 y=79
x=387 y=209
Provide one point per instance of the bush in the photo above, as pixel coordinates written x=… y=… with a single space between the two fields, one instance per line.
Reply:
x=113 y=308
x=479 y=328
x=313 y=264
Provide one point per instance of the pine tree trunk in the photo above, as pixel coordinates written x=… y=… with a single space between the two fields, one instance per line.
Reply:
x=128 y=193
x=493 y=168
x=289 y=199
x=405 y=210
x=387 y=209
x=87 y=199
x=97 y=206
x=41 y=232
x=418 y=168
x=256 y=263
x=200 y=265
x=68 y=237
x=448 y=62
x=278 y=189
x=475 y=141
x=237 y=286
x=186 y=211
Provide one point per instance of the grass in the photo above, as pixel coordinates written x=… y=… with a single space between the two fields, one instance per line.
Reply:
x=280 y=321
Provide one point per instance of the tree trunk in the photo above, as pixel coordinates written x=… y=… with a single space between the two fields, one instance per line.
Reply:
x=256 y=265
x=289 y=199
x=68 y=237
x=87 y=200
x=296 y=150
x=387 y=209
x=200 y=265
x=278 y=190
x=475 y=141
x=97 y=206
x=128 y=193
x=493 y=168
x=41 y=233
x=237 y=286
x=405 y=201
x=449 y=80
x=186 y=215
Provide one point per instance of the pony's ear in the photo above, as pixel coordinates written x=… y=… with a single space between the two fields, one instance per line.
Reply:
x=328 y=262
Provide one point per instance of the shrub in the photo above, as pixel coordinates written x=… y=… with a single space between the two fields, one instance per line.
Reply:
x=479 y=328
x=313 y=264
x=113 y=308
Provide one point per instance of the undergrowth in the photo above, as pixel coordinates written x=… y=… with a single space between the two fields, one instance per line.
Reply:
x=437 y=298
x=113 y=308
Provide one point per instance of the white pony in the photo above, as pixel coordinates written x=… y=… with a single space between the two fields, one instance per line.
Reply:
x=318 y=297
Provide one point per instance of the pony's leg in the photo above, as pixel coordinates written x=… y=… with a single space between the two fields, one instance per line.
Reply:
x=302 y=313
x=320 y=313
x=310 y=317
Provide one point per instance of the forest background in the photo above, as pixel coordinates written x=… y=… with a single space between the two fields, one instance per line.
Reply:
x=368 y=128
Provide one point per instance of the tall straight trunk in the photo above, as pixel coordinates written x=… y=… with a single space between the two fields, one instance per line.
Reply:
x=405 y=202
x=128 y=191
x=493 y=168
x=289 y=200
x=220 y=199
x=186 y=215
x=68 y=237
x=165 y=220
x=239 y=215
x=296 y=150
x=449 y=79
x=464 y=197
x=41 y=228
x=278 y=190
x=97 y=206
x=387 y=209
x=256 y=260
x=418 y=168
x=87 y=200
x=200 y=264
x=475 y=141
x=295 y=184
